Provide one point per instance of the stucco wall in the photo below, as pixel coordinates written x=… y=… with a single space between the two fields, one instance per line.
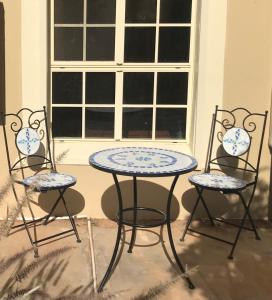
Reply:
x=11 y=79
x=248 y=73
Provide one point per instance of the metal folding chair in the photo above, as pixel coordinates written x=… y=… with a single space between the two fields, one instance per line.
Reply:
x=26 y=133
x=238 y=134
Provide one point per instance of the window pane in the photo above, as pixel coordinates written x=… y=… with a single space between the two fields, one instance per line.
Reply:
x=171 y=123
x=100 y=44
x=137 y=123
x=68 y=43
x=172 y=88
x=138 y=88
x=68 y=11
x=101 y=11
x=139 y=44
x=99 y=122
x=100 y=88
x=174 y=44
x=66 y=88
x=175 y=11
x=141 y=11
x=66 y=121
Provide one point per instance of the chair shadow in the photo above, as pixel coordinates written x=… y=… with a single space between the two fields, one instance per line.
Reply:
x=217 y=203
x=74 y=200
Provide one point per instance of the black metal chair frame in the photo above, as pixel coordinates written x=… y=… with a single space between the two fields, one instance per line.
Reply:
x=227 y=123
x=36 y=120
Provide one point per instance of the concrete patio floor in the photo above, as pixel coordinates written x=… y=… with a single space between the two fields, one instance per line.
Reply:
x=70 y=270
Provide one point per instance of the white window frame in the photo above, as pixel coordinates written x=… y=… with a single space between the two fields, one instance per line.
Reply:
x=119 y=66
x=206 y=91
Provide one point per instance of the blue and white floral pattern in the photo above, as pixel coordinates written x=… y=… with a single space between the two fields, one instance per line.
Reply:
x=28 y=141
x=218 y=181
x=49 y=181
x=142 y=161
x=236 y=141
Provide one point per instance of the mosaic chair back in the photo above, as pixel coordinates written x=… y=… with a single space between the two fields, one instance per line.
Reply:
x=235 y=145
x=236 y=142
x=27 y=140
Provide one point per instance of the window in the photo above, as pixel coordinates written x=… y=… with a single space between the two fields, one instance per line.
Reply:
x=122 y=69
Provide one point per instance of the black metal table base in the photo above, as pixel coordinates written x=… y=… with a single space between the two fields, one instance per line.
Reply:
x=134 y=224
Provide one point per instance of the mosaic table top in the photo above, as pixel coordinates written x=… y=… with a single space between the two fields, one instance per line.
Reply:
x=142 y=161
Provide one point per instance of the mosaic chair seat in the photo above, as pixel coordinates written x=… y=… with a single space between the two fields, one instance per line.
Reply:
x=49 y=181
x=234 y=134
x=28 y=131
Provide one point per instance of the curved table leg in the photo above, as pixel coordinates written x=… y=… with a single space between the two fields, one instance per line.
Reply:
x=118 y=237
x=168 y=223
x=133 y=233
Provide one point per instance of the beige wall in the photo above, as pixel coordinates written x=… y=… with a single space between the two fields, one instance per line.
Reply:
x=13 y=79
x=248 y=72
x=247 y=82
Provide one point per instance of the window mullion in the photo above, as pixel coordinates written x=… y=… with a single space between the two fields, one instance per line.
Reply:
x=83 y=103
x=84 y=29
x=52 y=32
x=118 y=105
x=119 y=31
x=157 y=31
x=154 y=106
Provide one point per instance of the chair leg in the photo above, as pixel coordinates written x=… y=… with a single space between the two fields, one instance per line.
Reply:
x=35 y=248
x=190 y=219
x=200 y=198
x=249 y=215
x=53 y=208
x=200 y=191
x=243 y=222
x=70 y=217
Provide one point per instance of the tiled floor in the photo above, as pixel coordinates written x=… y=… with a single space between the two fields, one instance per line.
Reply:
x=69 y=272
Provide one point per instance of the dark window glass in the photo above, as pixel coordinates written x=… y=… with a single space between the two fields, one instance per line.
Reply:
x=100 y=88
x=141 y=11
x=101 y=11
x=171 y=123
x=174 y=44
x=68 y=43
x=138 y=88
x=172 y=88
x=68 y=11
x=139 y=44
x=66 y=121
x=100 y=44
x=137 y=122
x=99 y=122
x=67 y=88
x=175 y=11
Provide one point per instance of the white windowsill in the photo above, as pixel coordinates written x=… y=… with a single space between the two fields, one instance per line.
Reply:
x=78 y=152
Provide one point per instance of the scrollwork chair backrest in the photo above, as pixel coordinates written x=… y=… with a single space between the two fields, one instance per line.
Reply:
x=236 y=140
x=28 y=131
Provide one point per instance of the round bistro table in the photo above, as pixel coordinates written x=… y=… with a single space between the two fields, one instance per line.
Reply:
x=142 y=162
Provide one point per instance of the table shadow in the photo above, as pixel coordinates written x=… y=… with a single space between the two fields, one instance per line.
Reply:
x=150 y=195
